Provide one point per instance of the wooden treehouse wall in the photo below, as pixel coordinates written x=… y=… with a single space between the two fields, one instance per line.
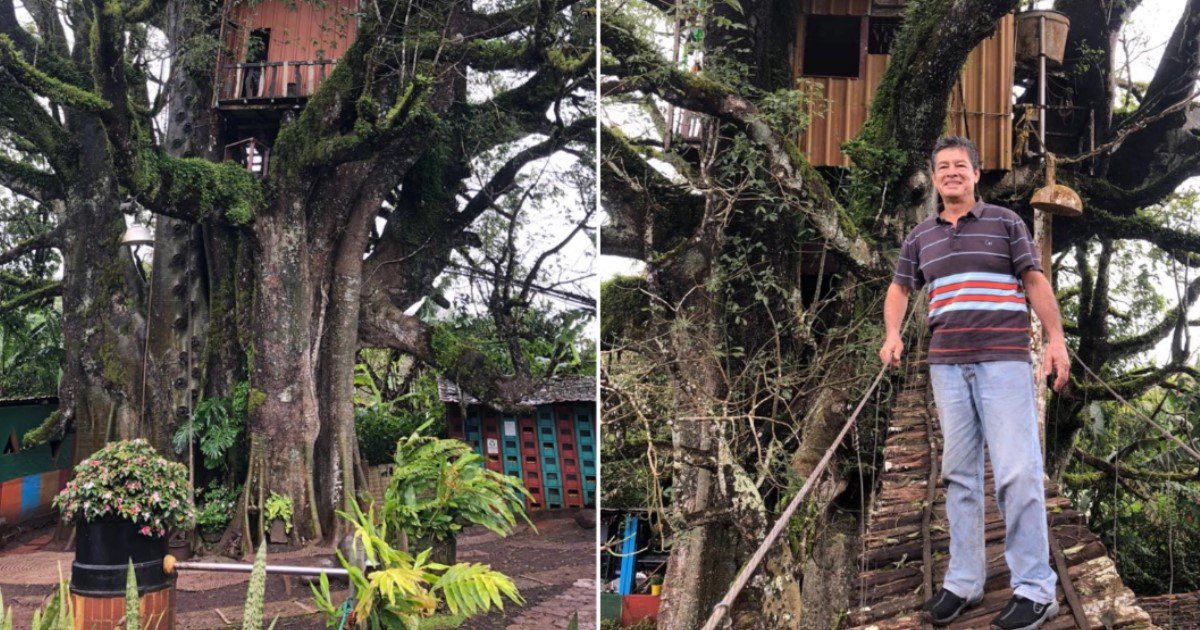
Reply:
x=980 y=106
x=304 y=39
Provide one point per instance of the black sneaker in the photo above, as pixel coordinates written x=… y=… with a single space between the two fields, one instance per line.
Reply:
x=1024 y=614
x=945 y=607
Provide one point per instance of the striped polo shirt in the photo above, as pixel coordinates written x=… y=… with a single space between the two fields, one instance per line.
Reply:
x=977 y=306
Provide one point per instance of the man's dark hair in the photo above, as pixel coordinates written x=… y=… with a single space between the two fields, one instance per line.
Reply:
x=955 y=142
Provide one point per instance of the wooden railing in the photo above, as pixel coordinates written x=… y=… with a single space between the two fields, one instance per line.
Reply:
x=272 y=79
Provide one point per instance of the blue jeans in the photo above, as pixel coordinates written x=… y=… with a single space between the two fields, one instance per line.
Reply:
x=993 y=401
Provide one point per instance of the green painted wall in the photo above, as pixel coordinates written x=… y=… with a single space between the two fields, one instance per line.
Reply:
x=15 y=420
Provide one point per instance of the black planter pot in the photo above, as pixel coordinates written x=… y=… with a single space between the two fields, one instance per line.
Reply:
x=103 y=551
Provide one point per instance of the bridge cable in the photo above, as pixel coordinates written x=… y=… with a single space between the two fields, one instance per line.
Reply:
x=722 y=607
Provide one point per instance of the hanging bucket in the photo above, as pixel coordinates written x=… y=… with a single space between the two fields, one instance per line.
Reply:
x=1058 y=25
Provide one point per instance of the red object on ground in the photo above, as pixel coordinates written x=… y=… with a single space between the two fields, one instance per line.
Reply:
x=635 y=608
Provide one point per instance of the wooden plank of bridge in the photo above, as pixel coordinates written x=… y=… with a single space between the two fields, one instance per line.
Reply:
x=907 y=539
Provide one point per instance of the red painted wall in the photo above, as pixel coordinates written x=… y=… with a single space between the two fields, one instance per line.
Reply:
x=300 y=31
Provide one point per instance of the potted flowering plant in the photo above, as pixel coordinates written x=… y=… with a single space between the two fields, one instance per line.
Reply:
x=123 y=500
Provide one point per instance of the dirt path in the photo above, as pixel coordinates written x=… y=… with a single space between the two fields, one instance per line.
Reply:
x=553 y=567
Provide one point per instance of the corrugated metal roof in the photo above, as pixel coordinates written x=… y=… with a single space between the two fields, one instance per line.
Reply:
x=558 y=389
x=28 y=400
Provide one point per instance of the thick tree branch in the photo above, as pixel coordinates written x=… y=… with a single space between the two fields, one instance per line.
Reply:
x=1101 y=223
x=638 y=197
x=523 y=108
x=644 y=68
x=28 y=181
x=24 y=117
x=53 y=238
x=1171 y=139
x=509 y=21
x=1159 y=331
x=38 y=296
x=45 y=85
x=1134 y=386
x=504 y=177
x=51 y=55
x=1179 y=69
x=1113 y=469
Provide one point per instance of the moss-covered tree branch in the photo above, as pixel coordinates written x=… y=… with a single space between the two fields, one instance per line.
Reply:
x=38 y=296
x=645 y=68
x=195 y=189
x=908 y=109
x=45 y=85
x=522 y=110
x=53 y=238
x=503 y=179
x=1133 y=386
x=50 y=52
x=29 y=181
x=1099 y=222
x=1147 y=340
x=638 y=199
x=509 y=21
x=1114 y=469
x=24 y=117
x=1126 y=200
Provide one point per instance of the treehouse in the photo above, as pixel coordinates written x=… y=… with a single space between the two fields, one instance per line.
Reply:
x=843 y=46
x=277 y=53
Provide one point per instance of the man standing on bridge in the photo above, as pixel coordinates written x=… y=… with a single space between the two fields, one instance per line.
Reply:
x=983 y=273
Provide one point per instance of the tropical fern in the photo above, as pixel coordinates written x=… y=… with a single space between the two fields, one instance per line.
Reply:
x=132 y=612
x=470 y=589
x=438 y=485
x=404 y=588
x=252 y=614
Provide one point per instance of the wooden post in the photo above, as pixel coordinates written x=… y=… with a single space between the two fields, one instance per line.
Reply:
x=1042 y=226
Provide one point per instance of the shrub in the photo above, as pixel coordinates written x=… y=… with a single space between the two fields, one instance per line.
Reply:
x=129 y=480
x=217 y=504
x=438 y=485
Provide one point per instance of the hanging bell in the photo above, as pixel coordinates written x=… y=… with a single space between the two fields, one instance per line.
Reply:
x=1056 y=198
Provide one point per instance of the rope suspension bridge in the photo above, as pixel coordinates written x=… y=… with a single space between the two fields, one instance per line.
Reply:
x=905 y=546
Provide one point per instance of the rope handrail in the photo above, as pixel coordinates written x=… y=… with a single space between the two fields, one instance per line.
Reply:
x=1165 y=433
x=722 y=607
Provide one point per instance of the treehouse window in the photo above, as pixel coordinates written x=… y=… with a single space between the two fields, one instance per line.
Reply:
x=833 y=46
x=881 y=33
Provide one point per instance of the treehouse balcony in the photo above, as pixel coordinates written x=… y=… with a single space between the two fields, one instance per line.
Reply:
x=270 y=83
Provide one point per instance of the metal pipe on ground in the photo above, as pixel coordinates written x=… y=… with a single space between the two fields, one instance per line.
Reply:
x=171 y=565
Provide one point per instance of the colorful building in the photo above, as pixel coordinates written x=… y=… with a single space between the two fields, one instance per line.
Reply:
x=548 y=440
x=30 y=477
